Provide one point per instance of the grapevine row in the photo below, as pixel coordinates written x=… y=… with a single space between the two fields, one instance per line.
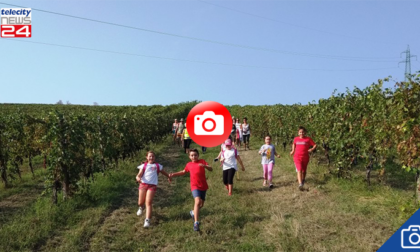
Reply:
x=77 y=142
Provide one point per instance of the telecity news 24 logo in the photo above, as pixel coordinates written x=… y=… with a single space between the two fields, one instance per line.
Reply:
x=16 y=23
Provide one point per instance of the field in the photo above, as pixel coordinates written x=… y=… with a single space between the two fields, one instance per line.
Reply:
x=330 y=215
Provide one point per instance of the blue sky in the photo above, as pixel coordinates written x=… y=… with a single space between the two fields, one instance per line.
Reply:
x=279 y=51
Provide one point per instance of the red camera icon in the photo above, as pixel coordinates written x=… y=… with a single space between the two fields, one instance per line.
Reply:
x=209 y=123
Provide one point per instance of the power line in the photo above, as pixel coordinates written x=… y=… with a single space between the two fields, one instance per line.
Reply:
x=287 y=23
x=192 y=61
x=347 y=58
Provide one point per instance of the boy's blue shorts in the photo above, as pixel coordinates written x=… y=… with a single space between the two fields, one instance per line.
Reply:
x=198 y=193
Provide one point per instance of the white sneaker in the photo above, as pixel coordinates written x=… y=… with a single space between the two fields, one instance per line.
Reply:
x=146 y=223
x=140 y=211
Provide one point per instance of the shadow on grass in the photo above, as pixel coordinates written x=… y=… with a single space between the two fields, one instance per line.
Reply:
x=239 y=220
x=395 y=176
x=6 y=212
x=256 y=189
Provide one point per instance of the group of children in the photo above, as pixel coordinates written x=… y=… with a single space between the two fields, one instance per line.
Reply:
x=229 y=157
x=182 y=137
x=240 y=132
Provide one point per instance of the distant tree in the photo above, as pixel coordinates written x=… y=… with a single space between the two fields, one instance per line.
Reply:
x=60 y=102
x=95 y=104
x=68 y=103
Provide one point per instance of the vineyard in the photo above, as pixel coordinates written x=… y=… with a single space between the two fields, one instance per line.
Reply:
x=374 y=124
x=78 y=141
x=87 y=157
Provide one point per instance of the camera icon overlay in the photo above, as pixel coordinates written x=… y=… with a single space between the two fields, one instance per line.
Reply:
x=410 y=237
x=209 y=123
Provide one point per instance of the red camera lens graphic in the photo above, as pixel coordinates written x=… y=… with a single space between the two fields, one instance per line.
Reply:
x=204 y=124
x=209 y=123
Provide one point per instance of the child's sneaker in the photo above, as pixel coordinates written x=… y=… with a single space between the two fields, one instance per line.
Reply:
x=230 y=193
x=271 y=186
x=192 y=214
x=146 y=223
x=140 y=211
x=301 y=187
x=196 y=226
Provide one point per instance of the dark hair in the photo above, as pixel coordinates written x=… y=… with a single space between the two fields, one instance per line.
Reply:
x=302 y=128
x=245 y=118
x=194 y=150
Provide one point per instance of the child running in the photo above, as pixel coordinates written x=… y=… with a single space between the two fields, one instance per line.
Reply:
x=148 y=176
x=268 y=151
x=186 y=140
x=301 y=149
x=246 y=132
x=229 y=157
x=223 y=148
x=198 y=182
x=174 y=126
x=238 y=132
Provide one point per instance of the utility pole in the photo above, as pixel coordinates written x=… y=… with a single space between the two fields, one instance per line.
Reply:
x=407 y=62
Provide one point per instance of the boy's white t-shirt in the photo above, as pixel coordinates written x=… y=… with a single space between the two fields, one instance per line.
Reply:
x=150 y=176
x=230 y=159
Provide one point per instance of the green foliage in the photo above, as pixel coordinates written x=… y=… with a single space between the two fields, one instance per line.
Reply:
x=78 y=141
x=374 y=124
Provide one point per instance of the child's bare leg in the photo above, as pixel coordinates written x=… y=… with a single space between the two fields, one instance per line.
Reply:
x=149 y=200
x=142 y=197
x=299 y=177
x=230 y=187
x=303 y=175
x=197 y=204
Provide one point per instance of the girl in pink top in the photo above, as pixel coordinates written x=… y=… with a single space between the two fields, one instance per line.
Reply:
x=301 y=148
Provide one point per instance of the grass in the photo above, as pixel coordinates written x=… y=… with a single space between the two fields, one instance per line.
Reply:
x=28 y=182
x=331 y=215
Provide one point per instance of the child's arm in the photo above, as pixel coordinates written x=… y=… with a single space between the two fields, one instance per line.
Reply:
x=240 y=162
x=166 y=175
x=139 y=175
x=176 y=174
x=293 y=150
x=276 y=154
x=208 y=167
x=312 y=149
x=220 y=154
x=261 y=150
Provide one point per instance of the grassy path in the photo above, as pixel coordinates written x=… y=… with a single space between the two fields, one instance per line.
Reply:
x=331 y=215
